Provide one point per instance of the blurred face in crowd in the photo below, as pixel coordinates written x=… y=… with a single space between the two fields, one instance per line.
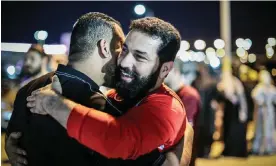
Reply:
x=182 y=72
x=32 y=63
x=109 y=67
x=138 y=64
x=189 y=73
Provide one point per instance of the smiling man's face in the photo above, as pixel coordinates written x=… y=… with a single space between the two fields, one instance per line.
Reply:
x=138 y=64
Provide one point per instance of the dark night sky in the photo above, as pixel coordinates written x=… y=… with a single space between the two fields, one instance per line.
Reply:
x=195 y=20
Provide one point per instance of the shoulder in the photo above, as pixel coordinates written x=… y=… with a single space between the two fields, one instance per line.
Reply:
x=38 y=83
x=164 y=98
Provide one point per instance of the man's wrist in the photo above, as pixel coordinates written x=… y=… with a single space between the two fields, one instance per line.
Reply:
x=62 y=109
x=70 y=104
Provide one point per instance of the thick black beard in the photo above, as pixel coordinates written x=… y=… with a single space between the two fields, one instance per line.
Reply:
x=137 y=88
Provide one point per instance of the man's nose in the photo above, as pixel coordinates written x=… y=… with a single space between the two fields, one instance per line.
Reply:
x=127 y=61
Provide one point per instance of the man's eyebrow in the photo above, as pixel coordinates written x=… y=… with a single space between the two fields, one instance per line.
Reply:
x=145 y=54
x=140 y=52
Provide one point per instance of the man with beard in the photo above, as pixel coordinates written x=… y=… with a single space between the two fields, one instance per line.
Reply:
x=156 y=116
x=35 y=64
x=178 y=81
x=98 y=38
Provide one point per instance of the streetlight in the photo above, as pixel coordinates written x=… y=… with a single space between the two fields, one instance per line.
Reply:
x=41 y=36
x=139 y=9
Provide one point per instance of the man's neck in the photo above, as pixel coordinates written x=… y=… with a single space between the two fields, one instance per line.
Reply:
x=158 y=84
x=79 y=66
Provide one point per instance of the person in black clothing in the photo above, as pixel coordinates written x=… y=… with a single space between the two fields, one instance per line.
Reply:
x=234 y=118
x=98 y=38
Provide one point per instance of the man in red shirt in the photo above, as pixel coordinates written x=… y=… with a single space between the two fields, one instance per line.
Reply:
x=189 y=96
x=156 y=116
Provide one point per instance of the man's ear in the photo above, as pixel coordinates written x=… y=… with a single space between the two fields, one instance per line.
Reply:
x=165 y=69
x=103 y=48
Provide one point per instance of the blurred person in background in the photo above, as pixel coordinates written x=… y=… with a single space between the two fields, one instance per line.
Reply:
x=206 y=86
x=180 y=80
x=264 y=95
x=8 y=94
x=230 y=101
x=35 y=64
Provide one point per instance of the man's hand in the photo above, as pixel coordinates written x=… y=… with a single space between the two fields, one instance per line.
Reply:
x=14 y=153
x=47 y=100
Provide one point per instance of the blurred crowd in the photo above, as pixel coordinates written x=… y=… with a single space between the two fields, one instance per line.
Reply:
x=224 y=110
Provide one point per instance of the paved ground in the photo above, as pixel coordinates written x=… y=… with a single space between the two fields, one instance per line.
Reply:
x=251 y=161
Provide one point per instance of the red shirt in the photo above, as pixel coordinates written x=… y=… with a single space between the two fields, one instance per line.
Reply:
x=191 y=99
x=158 y=121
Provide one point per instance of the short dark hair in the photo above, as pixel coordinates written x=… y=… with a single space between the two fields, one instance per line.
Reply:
x=39 y=49
x=87 y=31
x=168 y=34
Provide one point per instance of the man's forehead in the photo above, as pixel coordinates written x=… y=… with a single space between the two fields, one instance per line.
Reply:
x=142 y=41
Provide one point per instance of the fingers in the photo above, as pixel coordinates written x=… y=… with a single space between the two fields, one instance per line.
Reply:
x=15 y=135
x=56 y=86
x=55 y=78
x=31 y=104
x=33 y=110
x=35 y=92
x=37 y=111
x=20 y=151
x=17 y=164
x=31 y=98
x=19 y=161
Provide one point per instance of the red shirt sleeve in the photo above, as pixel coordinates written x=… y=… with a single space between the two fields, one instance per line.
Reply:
x=159 y=120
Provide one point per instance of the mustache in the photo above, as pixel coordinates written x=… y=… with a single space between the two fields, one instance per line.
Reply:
x=127 y=71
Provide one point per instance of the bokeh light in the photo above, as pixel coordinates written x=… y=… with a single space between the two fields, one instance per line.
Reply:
x=219 y=44
x=200 y=44
x=252 y=58
x=140 y=9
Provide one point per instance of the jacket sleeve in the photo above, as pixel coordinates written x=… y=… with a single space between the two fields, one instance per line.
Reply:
x=139 y=131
